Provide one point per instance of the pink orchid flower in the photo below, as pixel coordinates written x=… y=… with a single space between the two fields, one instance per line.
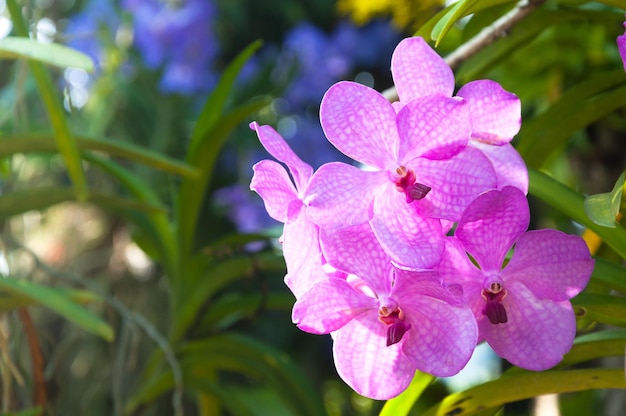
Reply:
x=418 y=170
x=418 y=71
x=522 y=308
x=283 y=202
x=386 y=323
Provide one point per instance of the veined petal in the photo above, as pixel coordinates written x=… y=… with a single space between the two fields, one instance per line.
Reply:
x=496 y=113
x=278 y=147
x=538 y=332
x=272 y=183
x=442 y=336
x=418 y=71
x=621 y=47
x=329 y=305
x=355 y=250
x=508 y=163
x=491 y=224
x=410 y=239
x=456 y=267
x=455 y=182
x=433 y=127
x=361 y=123
x=341 y=195
x=551 y=264
x=303 y=255
x=366 y=363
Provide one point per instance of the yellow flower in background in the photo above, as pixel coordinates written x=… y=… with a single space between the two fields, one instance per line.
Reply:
x=405 y=14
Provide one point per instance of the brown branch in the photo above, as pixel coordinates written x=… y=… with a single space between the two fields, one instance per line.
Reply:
x=40 y=396
x=485 y=37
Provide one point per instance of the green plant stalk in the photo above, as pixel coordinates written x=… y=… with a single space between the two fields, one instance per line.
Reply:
x=571 y=204
x=64 y=140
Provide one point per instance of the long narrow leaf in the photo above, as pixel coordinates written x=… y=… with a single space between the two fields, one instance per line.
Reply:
x=571 y=204
x=524 y=385
x=61 y=303
x=10 y=145
x=47 y=53
x=402 y=405
x=49 y=94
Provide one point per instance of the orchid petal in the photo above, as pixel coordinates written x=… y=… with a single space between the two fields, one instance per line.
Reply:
x=419 y=72
x=491 y=224
x=456 y=267
x=496 y=113
x=329 y=305
x=361 y=123
x=551 y=264
x=433 y=127
x=454 y=182
x=340 y=195
x=303 y=255
x=538 y=332
x=355 y=250
x=272 y=183
x=366 y=363
x=410 y=239
x=278 y=147
x=508 y=163
x=621 y=47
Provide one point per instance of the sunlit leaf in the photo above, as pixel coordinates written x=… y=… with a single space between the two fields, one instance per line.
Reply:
x=402 y=404
x=524 y=385
x=545 y=135
x=10 y=300
x=47 y=53
x=571 y=204
x=60 y=303
x=603 y=208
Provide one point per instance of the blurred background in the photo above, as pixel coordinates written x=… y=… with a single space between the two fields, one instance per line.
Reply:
x=156 y=63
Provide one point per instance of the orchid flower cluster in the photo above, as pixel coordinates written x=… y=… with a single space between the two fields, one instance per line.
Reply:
x=405 y=256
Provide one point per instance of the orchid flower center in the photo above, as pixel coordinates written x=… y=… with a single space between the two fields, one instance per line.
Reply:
x=405 y=182
x=494 y=293
x=390 y=314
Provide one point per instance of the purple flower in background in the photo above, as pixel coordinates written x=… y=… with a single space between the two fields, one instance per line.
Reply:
x=418 y=71
x=283 y=202
x=177 y=38
x=418 y=169
x=85 y=30
x=621 y=47
x=522 y=307
x=386 y=323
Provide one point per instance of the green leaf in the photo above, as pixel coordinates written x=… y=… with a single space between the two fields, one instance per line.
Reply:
x=10 y=145
x=437 y=26
x=546 y=134
x=64 y=138
x=47 y=53
x=61 y=303
x=524 y=385
x=523 y=33
x=603 y=208
x=603 y=308
x=571 y=204
x=239 y=354
x=10 y=300
x=607 y=343
x=610 y=274
x=402 y=404
x=35 y=411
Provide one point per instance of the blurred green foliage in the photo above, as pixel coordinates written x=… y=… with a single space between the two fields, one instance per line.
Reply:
x=166 y=310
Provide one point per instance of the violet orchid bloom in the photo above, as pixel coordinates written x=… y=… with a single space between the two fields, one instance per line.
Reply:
x=418 y=71
x=386 y=323
x=283 y=202
x=419 y=170
x=522 y=309
x=621 y=47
